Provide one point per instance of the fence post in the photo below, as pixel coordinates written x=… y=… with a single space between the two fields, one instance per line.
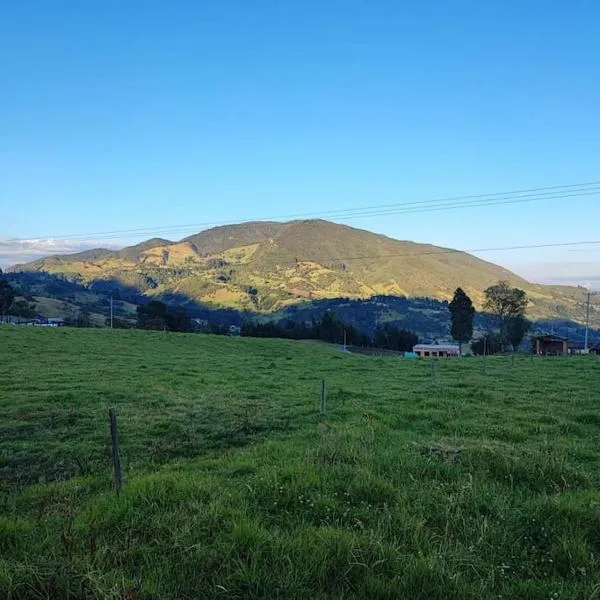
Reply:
x=112 y=416
x=485 y=355
x=323 y=398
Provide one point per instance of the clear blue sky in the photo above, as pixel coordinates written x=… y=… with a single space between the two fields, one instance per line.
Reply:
x=116 y=115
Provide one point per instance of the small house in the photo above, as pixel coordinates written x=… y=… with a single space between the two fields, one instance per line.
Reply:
x=436 y=350
x=55 y=322
x=551 y=345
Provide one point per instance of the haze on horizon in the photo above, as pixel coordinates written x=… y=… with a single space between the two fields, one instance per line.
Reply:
x=114 y=119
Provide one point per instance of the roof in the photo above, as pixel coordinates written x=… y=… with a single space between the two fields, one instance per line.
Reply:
x=551 y=338
x=436 y=347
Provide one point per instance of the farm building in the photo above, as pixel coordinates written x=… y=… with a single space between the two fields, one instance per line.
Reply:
x=36 y=321
x=441 y=350
x=551 y=345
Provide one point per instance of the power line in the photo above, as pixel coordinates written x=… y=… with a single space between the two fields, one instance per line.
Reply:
x=454 y=251
x=449 y=203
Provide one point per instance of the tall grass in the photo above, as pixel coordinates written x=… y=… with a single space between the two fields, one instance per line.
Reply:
x=472 y=486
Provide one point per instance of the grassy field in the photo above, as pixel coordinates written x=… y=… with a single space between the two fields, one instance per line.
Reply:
x=475 y=485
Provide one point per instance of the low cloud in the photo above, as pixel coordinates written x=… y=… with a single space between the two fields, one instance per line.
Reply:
x=16 y=251
x=586 y=274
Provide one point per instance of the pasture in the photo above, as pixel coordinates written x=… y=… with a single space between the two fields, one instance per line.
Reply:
x=478 y=484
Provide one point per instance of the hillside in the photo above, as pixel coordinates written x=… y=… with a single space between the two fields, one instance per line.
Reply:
x=266 y=266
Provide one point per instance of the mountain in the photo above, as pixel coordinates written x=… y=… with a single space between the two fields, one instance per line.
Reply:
x=267 y=266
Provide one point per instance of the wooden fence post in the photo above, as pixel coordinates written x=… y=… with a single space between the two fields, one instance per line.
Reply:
x=323 y=398
x=485 y=355
x=112 y=416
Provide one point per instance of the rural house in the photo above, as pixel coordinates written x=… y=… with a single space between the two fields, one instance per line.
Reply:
x=551 y=345
x=38 y=321
x=439 y=350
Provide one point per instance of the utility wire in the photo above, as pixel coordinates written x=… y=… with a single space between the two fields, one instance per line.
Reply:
x=449 y=203
x=436 y=208
x=454 y=251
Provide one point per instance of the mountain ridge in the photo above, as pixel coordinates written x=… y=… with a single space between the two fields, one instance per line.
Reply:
x=267 y=265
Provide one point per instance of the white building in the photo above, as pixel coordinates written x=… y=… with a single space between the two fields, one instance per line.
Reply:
x=426 y=350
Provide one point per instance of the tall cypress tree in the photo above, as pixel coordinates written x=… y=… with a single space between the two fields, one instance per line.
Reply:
x=461 y=314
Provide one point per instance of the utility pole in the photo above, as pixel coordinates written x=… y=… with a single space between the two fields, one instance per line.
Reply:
x=587 y=322
x=111 y=312
x=344 y=340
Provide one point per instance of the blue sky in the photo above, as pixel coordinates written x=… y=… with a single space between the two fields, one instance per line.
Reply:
x=120 y=115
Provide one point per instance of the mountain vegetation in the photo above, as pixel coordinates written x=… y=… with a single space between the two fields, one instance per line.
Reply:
x=265 y=267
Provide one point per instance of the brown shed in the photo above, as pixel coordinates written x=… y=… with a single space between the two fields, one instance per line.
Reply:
x=551 y=345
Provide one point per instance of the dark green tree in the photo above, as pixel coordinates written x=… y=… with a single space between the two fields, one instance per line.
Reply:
x=331 y=328
x=84 y=318
x=490 y=343
x=505 y=302
x=7 y=295
x=516 y=328
x=152 y=315
x=157 y=315
x=461 y=314
x=22 y=308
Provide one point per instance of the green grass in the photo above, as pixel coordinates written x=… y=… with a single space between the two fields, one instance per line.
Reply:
x=475 y=486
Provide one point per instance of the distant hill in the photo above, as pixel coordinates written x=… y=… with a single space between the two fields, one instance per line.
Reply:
x=268 y=266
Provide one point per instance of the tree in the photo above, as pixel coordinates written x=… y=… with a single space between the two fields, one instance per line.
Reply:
x=157 y=315
x=152 y=315
x=7 y=295
x=516 y=328
x=390 y=337
x=505 y=302
x=461 y=314
x=331 y=329
x=84 y=318
x=22 y=308
x=490 y=343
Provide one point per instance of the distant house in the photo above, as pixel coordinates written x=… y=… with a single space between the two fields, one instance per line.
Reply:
x=551 y=345
x=235 y=330
x=436 y=350
x=200 y=324
x=55 y=322
x=38 y=321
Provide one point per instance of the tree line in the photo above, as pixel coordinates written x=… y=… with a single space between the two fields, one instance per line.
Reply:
x=10 y=304
x=159 y=316
x=333 y=330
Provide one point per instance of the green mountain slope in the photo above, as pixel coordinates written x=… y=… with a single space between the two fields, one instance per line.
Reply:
x=266 y=266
